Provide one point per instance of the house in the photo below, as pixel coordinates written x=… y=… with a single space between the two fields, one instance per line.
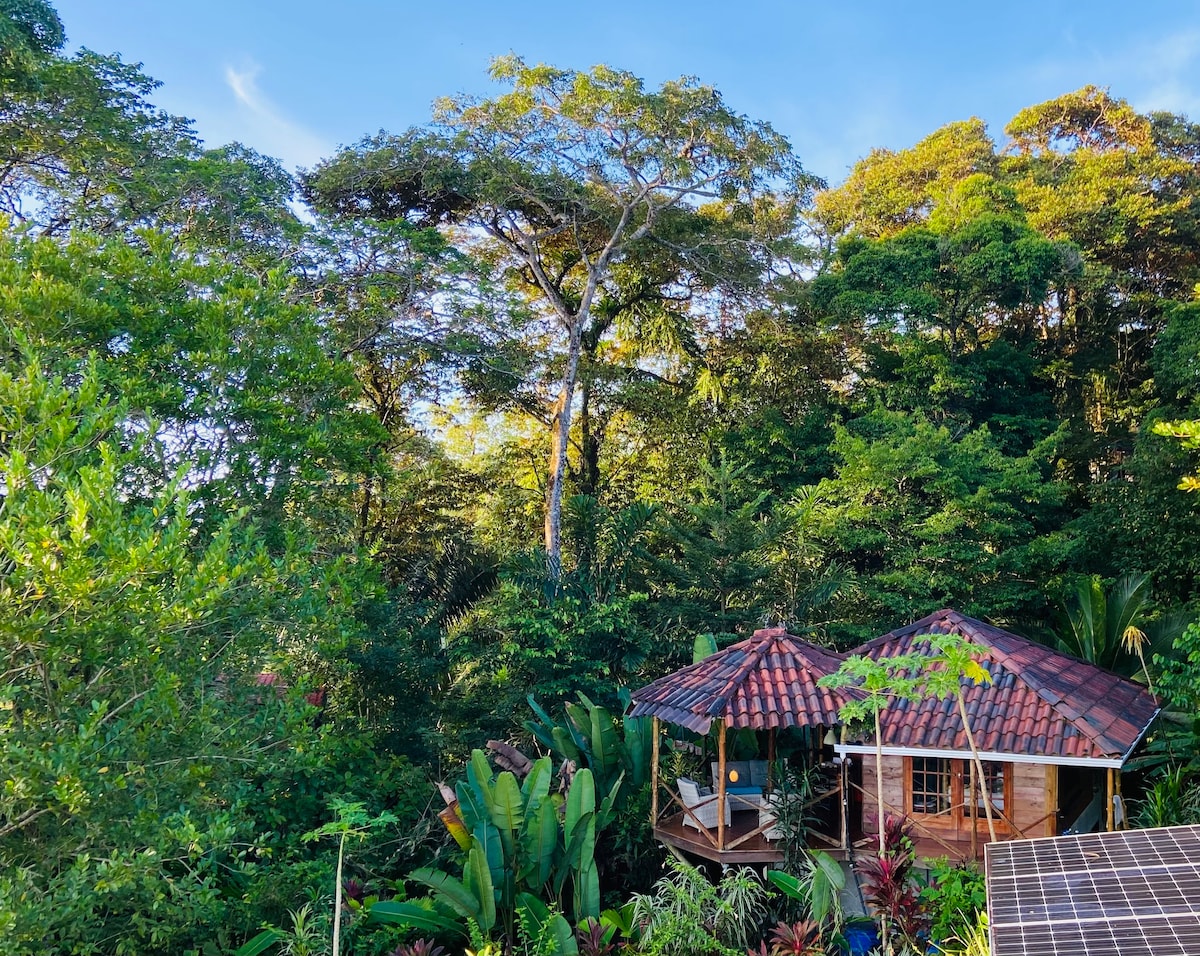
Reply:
x=1053 y=733
x=763 y=685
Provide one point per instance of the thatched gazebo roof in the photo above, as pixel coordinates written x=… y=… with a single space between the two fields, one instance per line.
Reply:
x=766 y=682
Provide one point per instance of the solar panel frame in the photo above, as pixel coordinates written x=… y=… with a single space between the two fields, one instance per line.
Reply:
x=1131 y=892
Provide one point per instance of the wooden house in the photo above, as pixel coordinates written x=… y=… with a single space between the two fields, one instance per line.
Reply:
x=1053 y=732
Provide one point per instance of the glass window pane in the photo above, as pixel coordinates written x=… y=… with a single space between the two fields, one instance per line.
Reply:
x=930 y=785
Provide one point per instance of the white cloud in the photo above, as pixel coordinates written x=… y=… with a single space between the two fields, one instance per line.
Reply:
x=1172 y=68
x=263 y=126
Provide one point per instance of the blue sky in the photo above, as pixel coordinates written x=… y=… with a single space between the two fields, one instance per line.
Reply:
x=297 y=79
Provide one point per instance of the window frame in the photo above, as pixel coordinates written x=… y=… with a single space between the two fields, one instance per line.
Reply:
x=958 y=814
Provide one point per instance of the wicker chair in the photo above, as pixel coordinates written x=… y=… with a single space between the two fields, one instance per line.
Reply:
x=702 y=803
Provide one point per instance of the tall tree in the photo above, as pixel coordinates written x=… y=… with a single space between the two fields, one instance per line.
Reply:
x=576 y=178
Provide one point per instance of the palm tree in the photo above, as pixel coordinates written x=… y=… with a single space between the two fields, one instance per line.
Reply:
x=1109 y=628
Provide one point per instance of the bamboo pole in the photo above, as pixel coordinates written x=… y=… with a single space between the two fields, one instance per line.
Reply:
x=654 y=773
x=721 y=785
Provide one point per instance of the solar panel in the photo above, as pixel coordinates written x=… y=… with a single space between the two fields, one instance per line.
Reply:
x=1133 y=893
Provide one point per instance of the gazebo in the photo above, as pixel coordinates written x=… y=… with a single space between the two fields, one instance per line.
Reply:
x=765 y=683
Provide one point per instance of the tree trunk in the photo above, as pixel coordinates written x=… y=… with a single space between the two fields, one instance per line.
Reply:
x=983 y=784
x=559 y=442
x=879 y=783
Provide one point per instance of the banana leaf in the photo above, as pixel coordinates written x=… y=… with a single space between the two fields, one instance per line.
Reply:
x=260 y=943
x=409 y=914
x=477 y=880
x=536 y=786
x=454 y=893
x=550 y=925
x=587 y=892
x=581 y=799
x=539 y=843
x=572 y=853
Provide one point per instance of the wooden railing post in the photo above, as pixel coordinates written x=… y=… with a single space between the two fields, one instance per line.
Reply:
x=654 y=773
x=721 y=785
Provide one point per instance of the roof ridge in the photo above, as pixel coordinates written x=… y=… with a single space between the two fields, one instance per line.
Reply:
x=753 y=656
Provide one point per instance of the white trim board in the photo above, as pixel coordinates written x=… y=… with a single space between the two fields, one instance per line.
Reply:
x=867 y=750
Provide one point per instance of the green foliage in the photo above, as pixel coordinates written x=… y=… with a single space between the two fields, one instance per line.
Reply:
x=527 y=846
x=817 y=888
x=955 y=896
x=134 y=738
x=932 y=518
x=517 y=640
x=686 y=915
x=1172 y=800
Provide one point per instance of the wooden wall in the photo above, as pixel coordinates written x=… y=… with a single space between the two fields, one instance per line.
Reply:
x=1033 y=800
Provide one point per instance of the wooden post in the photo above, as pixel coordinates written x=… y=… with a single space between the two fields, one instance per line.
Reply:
x=974 y=813
x=1111 y=791
x=844 y=781
x=654 y=773
x=720 y=785
x=770 y=758
x=1051 y=800
x=1123 y=823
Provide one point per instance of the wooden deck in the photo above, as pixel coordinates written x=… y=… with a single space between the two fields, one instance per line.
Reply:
x=757 y=849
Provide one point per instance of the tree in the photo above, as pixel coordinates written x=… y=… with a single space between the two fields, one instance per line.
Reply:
x=236 y=380
x=578 y=179
x=954 y=660
x=1106 y=625
x=135 y=738
x=928 y=518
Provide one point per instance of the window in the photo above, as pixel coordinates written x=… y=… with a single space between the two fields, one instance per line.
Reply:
x=994 y=774
x=930 y=785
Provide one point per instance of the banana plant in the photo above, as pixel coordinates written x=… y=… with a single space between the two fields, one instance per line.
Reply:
x=524 y=843
x=591 y=737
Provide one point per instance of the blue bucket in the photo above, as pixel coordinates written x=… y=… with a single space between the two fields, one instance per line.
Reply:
x=860 y=938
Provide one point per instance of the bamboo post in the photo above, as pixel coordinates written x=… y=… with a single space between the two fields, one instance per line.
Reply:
x=654 y=773
x=1110 y=788
x=721 y=785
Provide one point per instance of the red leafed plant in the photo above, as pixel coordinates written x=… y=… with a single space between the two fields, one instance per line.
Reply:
x=888 y=884
x=798 y=939
x=418 y=947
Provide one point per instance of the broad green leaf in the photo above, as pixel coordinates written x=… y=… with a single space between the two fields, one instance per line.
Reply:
x=454 y=893
x=260 y=943
x=411 y=914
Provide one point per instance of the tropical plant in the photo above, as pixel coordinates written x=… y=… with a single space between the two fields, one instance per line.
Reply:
x=954 y=898
x=418 y=947
x=589 y=736
x=805 y=938
x=953 y=661
x=817 y=888
x=687 y=915
x=1173 y=799
x=1108 y=627
x=522 y=845
x=888 y=884
x=974 y=939
x=876 y=683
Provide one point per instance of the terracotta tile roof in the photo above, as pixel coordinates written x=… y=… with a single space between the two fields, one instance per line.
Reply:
x=1041 y=702
x=768 y=680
